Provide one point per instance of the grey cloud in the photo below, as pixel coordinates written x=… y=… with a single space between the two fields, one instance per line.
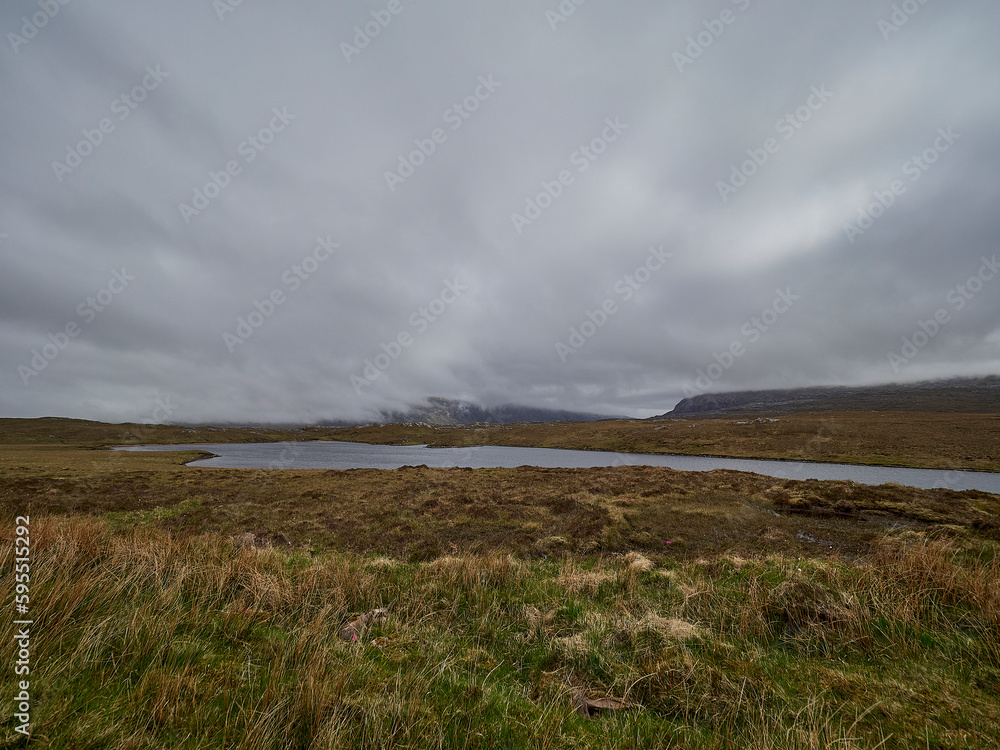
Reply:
x=324 y=174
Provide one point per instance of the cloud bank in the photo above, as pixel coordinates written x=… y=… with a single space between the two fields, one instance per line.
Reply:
x=261 y=212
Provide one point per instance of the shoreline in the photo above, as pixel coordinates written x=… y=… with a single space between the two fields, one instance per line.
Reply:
x=671 y=454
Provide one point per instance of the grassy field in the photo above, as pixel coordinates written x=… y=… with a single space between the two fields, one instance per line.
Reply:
x=912 y=439
x=893 y=438
x=204 y=608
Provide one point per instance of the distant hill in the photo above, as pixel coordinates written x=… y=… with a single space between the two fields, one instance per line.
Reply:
x=443 y=411
x=968 y=395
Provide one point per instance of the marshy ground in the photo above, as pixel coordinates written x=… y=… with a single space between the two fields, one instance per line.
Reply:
x=201 y=608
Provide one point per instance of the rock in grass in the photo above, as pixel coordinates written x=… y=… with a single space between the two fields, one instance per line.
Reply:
x=260 y=540
x=248 y=540
x=353 y=630
x=589 y=707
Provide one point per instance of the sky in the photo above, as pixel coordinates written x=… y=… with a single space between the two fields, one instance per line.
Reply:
x=222 y=211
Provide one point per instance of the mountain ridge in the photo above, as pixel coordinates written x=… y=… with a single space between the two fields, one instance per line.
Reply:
x=967 y=395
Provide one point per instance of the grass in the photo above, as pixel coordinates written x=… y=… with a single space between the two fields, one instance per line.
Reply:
x=421 y=512
x=727 y=610
x=908 y=439
x=149 y=640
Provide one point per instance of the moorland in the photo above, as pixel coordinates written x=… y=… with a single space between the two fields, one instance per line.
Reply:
x=629 y=606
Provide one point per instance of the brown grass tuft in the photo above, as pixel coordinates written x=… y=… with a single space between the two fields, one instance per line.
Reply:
x=639 y=563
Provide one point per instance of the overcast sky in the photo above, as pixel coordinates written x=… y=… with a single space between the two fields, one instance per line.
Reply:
x=267 y=211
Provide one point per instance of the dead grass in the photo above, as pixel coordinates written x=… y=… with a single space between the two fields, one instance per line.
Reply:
x=638 y=563
x=422 y=513
x=148 y=639
x=930 y=440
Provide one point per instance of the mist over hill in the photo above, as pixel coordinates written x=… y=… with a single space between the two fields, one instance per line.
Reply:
x=443 y=411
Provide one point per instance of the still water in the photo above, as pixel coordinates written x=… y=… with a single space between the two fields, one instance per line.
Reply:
x=336 y=455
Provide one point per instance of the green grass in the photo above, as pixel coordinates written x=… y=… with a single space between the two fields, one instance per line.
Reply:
x=145 y=640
